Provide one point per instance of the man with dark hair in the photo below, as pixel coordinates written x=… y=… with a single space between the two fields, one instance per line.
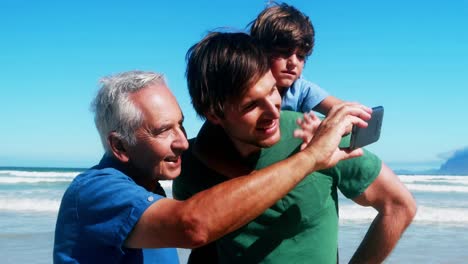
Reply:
x=232 y=87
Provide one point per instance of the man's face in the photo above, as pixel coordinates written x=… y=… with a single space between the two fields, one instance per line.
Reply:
x=286 y=68
x=252 y=122
x=161 y=139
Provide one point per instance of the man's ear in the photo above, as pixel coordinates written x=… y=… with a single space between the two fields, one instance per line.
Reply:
x=117 y=147
x=213 y=118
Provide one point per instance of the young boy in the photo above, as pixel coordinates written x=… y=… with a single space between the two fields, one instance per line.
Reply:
x=287 y=36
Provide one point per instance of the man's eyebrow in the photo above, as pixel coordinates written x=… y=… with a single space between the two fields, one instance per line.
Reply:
x=242 y=104
x=161 y=126
x=166 y=125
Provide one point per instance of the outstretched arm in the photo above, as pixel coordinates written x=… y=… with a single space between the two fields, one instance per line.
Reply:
x=327 y=103
x=396 y=209
x=203 y=217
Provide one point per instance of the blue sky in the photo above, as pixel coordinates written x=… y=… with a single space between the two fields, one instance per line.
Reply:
x=409 y=56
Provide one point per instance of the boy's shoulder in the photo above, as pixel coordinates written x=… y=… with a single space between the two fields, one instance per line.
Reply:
x=301 y=83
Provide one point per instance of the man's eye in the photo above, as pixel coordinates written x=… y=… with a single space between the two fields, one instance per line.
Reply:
x=249 y=106
x=160 y=132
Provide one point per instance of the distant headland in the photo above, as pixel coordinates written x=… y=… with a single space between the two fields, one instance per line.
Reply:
x=457 y=164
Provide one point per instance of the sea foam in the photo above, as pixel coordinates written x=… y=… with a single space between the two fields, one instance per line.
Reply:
x=348 y=213
x=29 y=205
x=452 y=214
x=425 y=214
x=39 y=174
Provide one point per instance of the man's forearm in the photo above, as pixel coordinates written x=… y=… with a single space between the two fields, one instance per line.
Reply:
x=232 y=204
x=217 y=211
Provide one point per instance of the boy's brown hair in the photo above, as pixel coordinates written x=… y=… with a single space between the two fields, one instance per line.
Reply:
x=281 y=28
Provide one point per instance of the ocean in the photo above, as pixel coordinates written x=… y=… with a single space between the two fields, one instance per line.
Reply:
x=30 y=198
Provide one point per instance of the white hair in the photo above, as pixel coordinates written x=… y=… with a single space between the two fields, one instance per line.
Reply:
x=113 y=109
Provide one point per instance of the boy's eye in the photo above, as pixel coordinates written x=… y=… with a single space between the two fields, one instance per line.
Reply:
x=281 y=53
x=300 y=56
x=276 y=56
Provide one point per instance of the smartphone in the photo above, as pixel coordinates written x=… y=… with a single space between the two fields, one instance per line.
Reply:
x=361 y=137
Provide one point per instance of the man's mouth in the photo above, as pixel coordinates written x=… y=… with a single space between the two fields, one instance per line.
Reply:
x=172 y=159
x=268 y=128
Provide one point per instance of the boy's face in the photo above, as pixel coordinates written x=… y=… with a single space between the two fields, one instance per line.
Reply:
x=252 y=122
x=286 y=67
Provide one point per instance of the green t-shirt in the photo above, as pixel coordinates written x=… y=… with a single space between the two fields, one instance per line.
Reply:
x=302 y=227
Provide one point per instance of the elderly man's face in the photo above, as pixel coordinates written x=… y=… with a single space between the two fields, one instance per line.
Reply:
x=161 y=139
x=253 y=121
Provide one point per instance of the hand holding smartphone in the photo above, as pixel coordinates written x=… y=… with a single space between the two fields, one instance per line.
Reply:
x=361 y=137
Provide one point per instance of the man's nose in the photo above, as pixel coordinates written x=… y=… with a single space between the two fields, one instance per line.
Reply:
x=180 y=141
x=272 y=106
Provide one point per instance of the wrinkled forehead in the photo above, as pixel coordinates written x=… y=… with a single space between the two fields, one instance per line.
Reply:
x=156 y=99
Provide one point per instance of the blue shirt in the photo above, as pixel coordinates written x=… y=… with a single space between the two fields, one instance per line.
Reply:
x=98 y=211
x=302 y=96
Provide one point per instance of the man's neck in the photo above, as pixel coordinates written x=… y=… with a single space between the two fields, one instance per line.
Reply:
x=245 y=150
x=218 y=152
x=129 y=170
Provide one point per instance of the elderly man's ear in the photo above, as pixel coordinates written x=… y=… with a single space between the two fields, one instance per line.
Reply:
x=118 y=147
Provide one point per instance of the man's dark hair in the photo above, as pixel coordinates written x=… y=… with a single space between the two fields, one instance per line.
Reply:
x=222 y=66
